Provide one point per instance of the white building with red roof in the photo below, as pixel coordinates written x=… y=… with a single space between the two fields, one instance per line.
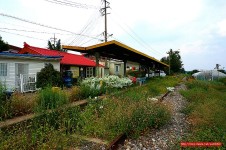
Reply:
x=78 y=64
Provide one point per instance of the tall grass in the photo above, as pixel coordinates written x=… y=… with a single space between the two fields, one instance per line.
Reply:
x=206 y=111
x=47 y=131
x=126 y=111
x=49 y=98
x=5 y=107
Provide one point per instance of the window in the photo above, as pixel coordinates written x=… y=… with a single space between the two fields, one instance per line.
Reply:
x=117 y=69
x=3 y=69
x=89 y=72
x=21 y=69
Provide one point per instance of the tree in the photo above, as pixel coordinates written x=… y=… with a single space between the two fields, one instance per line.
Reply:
x=194 y=71
x=174 y=60
x=48 y=76
x=3 y=45
x=55 y=46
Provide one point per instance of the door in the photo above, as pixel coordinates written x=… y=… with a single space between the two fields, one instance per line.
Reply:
x=117 y=69
x=20 y=69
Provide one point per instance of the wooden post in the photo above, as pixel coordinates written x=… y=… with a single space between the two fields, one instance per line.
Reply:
x=97 y=56
x=125 y=63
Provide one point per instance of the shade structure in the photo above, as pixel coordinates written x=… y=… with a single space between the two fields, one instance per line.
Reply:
x=116 y=50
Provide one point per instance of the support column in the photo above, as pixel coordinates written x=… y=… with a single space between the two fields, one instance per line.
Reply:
x=97 y=56
x=159 y=69
x=125 y=62
x=148 y=72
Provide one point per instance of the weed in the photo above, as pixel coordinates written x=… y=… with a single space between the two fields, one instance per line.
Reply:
x=50 y=99
x=75 y=94
x=23 y=104
x=206 y=110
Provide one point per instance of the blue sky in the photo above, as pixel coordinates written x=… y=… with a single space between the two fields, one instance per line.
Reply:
x=197 y=28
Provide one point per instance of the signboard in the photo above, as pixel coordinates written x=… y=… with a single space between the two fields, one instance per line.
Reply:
x=75 y=72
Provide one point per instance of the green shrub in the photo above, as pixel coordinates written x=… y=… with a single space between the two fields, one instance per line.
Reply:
x=49 y=98
x=87 y=91
x=2 y=93
x=48 y=76
x=5 y=104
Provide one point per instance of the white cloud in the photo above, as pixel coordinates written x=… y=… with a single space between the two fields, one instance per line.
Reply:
x=170 y=14
x=195 y=47
x=222 y=27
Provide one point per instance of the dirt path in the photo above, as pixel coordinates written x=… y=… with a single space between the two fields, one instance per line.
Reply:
x=167 y=136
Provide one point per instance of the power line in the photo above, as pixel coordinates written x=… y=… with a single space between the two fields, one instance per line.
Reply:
x=23 y=35
x=133 y=37
x=137 y=38
x=21 y=30
x=88 y=28
x=72 y=4
x=39 y=24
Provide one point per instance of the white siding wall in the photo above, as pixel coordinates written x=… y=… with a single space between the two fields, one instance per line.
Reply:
x=33 y=65
x=9 y=80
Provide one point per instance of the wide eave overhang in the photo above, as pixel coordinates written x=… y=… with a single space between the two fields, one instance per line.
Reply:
x=116 y=50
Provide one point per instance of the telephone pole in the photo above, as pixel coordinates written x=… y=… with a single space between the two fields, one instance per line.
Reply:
x=104 y=13
x=105 y=18
x=54 y=40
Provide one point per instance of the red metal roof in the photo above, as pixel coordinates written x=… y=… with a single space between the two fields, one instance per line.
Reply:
x=68 y=59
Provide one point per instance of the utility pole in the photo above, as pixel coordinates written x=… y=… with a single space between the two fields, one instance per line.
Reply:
x=54 y=40
x=105 y=18
x=169 y=64
x=104 y=13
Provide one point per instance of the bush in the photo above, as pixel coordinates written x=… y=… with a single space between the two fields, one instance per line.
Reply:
x=91 y=87
x=48 y=76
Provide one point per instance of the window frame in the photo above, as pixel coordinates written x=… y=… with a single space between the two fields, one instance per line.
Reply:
x=89 y=72
x=3 y=69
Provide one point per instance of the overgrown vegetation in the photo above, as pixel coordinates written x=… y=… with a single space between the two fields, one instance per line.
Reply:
x=4 y=106
x=50 y=98
x=206 y=111
x=122 y=111
x=91 y=87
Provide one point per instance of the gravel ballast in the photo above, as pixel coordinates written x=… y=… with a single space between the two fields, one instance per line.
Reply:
x=167 y=136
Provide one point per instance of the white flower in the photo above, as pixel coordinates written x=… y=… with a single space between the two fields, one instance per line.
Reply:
x=152 y=99
x=171 y=89
x=101 y=107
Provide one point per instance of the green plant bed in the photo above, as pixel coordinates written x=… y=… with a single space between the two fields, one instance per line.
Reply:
x=122 y=112
x=206 y=111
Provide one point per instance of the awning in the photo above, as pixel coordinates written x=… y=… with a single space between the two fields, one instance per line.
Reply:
x=116 y=50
